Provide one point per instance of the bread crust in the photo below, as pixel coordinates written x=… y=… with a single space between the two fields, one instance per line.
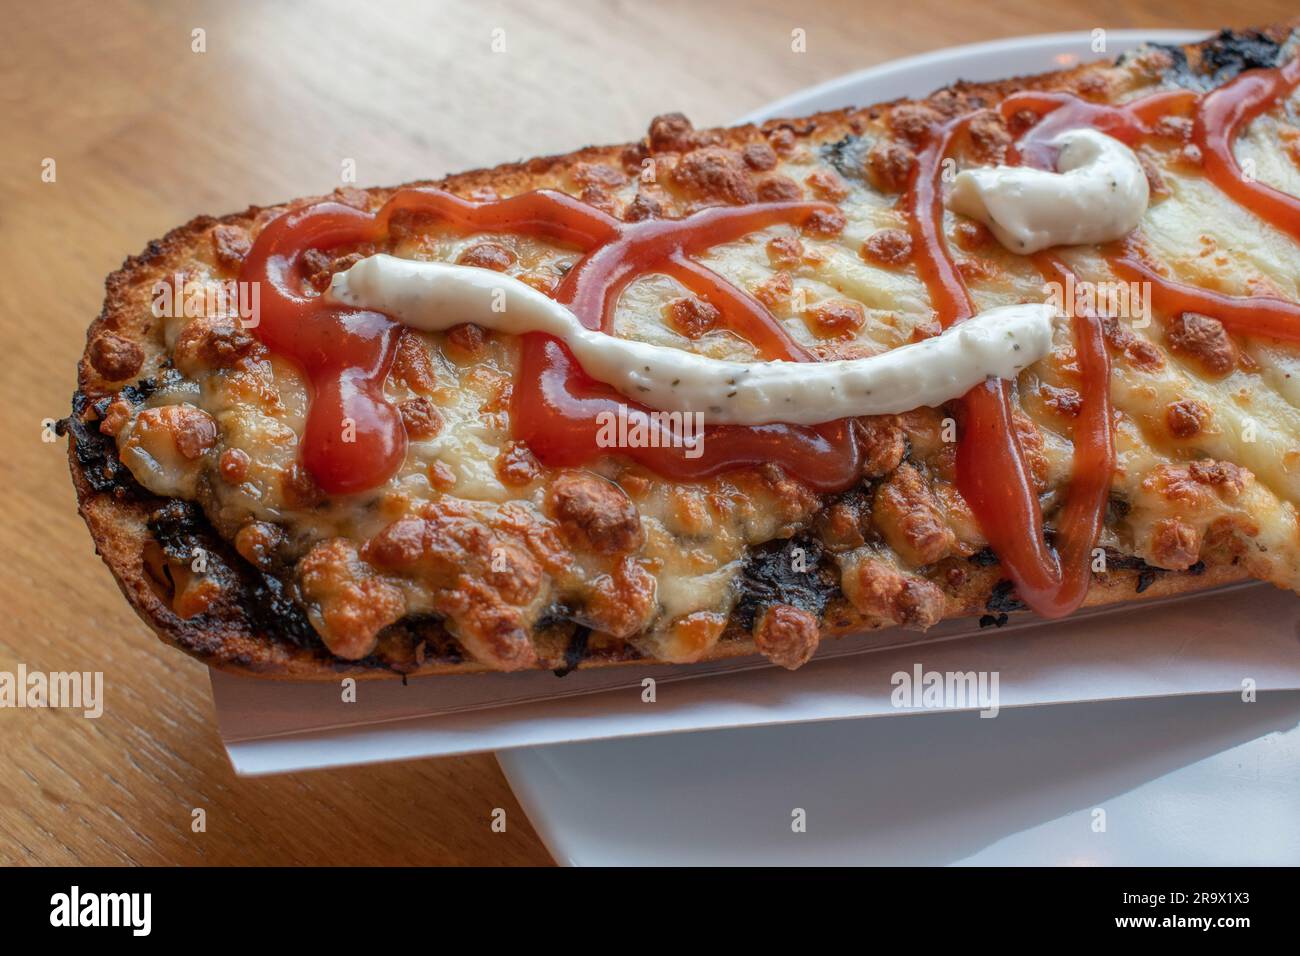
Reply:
x=233 y=635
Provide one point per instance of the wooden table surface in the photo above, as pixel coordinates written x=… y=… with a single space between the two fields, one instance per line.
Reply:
x=146 y=133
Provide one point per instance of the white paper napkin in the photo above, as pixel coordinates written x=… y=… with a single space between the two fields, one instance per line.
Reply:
x=1244 y=636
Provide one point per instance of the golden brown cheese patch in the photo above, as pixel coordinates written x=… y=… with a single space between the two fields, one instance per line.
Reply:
x=114 y=357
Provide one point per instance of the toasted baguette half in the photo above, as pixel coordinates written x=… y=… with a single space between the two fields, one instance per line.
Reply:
x=734 y=565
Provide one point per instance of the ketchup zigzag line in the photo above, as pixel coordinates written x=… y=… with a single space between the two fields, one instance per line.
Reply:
x=354 y=438
x=555 y=406
x=992 y=474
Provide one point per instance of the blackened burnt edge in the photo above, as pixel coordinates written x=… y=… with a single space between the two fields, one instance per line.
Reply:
x=770 y=576
x=1220 y=58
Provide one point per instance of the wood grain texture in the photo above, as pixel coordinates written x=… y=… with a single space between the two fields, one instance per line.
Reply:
x=146 y=134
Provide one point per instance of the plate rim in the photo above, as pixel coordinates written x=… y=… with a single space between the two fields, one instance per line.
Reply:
x=1128 y=39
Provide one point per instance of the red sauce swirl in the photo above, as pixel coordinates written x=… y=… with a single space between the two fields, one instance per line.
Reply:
x=354 y=438
x=992 y=474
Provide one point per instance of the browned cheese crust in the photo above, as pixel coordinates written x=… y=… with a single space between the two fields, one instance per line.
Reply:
x=591 y=545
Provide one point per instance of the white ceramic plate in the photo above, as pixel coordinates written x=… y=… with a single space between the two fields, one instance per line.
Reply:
x=1192 y=780
x=1205 y=781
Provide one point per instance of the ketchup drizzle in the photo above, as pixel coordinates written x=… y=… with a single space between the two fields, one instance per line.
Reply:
x=354 y=438
x=1223 y=114
x=992 y=474
x=555 y=405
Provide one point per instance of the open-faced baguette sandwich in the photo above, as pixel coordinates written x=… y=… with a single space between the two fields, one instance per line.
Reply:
x=1029 y=344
